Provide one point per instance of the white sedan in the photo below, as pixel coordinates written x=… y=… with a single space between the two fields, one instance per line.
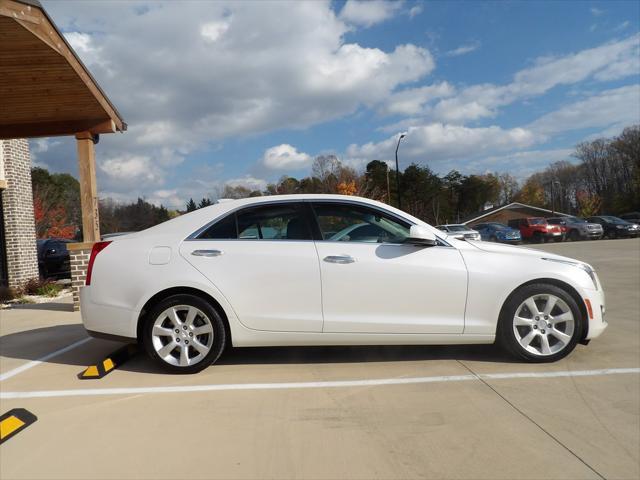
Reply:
x=280 y=270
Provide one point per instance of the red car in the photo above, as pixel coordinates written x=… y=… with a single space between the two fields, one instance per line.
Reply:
x=537 y=229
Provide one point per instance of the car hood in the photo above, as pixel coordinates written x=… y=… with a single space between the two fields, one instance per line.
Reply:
x=501 y=248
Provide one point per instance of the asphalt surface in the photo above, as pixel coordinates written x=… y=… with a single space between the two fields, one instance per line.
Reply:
x=347 y=412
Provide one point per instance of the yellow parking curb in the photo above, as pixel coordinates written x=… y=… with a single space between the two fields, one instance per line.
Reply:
x=102 y=368
x=14 y=421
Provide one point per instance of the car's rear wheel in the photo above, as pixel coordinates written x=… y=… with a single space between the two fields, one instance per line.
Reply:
x=574 y=235
x=540 y=323
x=184 y=333
x=538 y=238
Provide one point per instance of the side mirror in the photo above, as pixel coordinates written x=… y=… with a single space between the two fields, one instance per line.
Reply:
x=422 y=236
x=51 y=251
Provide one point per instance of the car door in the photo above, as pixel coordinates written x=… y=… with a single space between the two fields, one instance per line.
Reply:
x=372 y=282
x=263 y=260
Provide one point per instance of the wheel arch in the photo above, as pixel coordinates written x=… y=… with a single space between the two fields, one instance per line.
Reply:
x=176 y=291
x=560 y=284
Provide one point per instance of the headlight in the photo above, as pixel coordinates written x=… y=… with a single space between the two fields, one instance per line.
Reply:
x=583 y=266
x=619 y=226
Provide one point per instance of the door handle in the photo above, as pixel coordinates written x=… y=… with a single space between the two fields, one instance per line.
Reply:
x=342 y=259
x=207 y=253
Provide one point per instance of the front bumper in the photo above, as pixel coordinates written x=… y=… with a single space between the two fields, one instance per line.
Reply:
x=596 y=324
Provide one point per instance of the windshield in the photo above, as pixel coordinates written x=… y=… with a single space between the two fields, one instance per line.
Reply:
x=575 y=220
x=498 y=226
x=537 y=221
x=615 y=220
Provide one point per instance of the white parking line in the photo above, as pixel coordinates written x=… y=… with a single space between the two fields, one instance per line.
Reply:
x=300 y=385
x=34 y=363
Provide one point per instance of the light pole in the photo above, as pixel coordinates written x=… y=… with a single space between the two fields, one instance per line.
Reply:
x=553 y=197
x=402 y=135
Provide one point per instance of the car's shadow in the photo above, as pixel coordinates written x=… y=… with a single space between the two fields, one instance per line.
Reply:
x=30 y=345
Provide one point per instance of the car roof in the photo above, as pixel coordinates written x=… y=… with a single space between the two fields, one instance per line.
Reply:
x=203 y=216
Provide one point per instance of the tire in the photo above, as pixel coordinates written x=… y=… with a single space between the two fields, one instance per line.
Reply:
x=493 y=238
x=537 y=237
x=574 y=235
x=520 y=334
x=176 y=321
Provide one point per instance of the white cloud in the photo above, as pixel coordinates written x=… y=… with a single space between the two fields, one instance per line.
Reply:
x=596 y=12
x=620 y=106
x=437 y=142
x=212 y=31
x=132 y=170
x=366 y=13
x=415 y=10
x=285 y=157
x=226 y=69
x=610 y=61
x=412 y=101
x=520 y=164
x=252 y=183
x=463 y=49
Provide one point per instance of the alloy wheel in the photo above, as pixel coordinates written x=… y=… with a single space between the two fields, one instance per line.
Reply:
x=182 y=335
x=544 y=324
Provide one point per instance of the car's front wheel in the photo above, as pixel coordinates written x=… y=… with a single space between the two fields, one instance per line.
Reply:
x=184 y=333
x=540 y=323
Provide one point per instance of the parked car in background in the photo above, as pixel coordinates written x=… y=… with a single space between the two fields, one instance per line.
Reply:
x=633 y=217
x=537 y=229
x=576 y=228
x=498 y=232
x=189 y=287
x=461 y=232
x=53 y=258
x=615 y=227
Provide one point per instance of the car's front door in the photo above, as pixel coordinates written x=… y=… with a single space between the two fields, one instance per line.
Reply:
x=372 y=282
x=264 y=261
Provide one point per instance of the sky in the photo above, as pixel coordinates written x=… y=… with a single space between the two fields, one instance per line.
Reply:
x=243 y=92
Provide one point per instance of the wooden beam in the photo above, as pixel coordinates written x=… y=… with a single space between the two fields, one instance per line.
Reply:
x=88 y=187
x=51 y=129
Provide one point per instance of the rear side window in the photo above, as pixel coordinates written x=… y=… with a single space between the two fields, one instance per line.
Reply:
x=269 y=222
x=224 y=229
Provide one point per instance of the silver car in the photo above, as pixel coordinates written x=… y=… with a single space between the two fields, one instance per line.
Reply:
x=578 y=228
x=461 y=232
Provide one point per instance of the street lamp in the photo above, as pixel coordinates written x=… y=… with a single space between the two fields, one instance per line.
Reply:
x=402 y=135
x=553 y=197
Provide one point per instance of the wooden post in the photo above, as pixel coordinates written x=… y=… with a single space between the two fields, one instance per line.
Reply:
x=88 y=187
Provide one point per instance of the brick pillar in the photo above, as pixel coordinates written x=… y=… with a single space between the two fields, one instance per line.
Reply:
x=79 y=259
x=19 y=224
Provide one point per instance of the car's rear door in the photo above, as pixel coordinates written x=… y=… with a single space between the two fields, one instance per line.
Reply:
x=264 y=261
x=374 y=283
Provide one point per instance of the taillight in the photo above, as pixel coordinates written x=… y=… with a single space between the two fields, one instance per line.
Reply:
x=97 y=248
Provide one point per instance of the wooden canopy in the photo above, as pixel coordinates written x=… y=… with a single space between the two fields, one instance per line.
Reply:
x=45 y=90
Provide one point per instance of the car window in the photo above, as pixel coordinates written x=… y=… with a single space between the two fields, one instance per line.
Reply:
x=267 y=222
x=224 y=229
x=355 y=223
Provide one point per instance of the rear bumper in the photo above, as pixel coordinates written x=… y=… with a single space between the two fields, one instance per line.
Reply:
x=107 y=321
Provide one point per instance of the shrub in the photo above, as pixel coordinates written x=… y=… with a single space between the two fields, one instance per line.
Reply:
x=49 y=289
x=37 y=286
x=7 y=294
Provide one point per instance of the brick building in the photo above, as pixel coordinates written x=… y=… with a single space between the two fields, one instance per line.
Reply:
x=18 y=256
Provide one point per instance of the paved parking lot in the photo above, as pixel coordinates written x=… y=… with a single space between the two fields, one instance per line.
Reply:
x=374 y=412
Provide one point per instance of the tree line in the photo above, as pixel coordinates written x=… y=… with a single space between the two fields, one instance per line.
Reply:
x=604 y=179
